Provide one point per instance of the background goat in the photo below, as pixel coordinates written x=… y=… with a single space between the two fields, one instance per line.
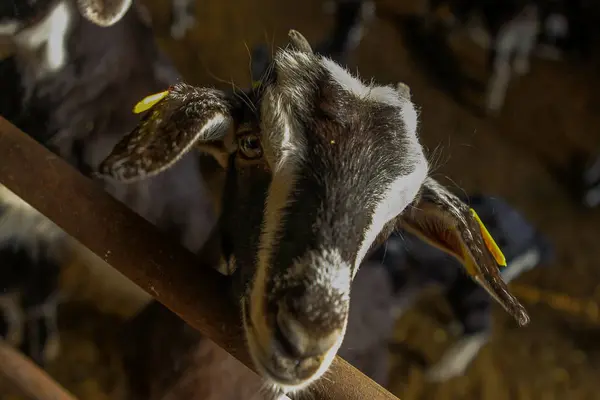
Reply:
x=510 y=31
x=513 y=27
x=79 y=82
x=513 y=31
x=320 y=168
x=71 y=84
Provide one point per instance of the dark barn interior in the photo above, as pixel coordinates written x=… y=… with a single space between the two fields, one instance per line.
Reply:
x=530 y=153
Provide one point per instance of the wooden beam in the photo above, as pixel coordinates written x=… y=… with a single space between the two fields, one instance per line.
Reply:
x=28 y=378
x=176 y=278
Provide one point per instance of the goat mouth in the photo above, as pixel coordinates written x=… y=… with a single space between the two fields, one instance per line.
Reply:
x=261 y=358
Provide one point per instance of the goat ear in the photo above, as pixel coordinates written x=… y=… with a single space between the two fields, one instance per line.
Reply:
x=444 y=221
x=103 y=12
x=176 y=121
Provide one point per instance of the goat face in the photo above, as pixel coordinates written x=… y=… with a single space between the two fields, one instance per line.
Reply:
x=319 y=169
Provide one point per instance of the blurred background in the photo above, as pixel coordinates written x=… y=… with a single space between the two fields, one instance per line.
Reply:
x=534 y=151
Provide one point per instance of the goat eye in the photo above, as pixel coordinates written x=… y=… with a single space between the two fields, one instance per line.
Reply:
x=250 y=147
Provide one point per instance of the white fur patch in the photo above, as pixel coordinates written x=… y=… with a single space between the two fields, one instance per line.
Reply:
x=277 y=199
x=332 y=271
x=398 y=195
x=403 y=190
x=381 y=94
x=283 y=153
x=352 y=84
x=50 y=34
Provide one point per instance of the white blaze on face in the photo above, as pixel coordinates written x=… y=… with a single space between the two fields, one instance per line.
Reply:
x=399 y=194
x=284 y=151
x=404 y=188
x=50 y=36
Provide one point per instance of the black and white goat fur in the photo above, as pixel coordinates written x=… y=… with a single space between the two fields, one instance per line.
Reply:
x=318 y=169
x=78 y=84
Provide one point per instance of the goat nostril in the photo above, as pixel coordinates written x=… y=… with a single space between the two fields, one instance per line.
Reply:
x=284 y=337
x=295 y=341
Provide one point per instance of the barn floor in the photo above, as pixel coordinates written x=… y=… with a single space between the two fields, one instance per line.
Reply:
x=548 y=116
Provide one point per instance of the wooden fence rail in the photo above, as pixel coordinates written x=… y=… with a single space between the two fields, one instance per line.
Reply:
x=196 y=293
x=29 y=379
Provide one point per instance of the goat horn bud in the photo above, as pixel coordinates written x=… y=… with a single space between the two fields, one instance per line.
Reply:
x=299 y=42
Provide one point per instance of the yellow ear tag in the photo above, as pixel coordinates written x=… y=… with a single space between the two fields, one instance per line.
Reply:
x=149 y=101
x=489 y=242
x=256 y=84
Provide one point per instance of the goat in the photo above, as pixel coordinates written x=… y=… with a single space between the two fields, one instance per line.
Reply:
x=414 y=264
x=79 y=80
x=71 y=84
x=318 y=168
